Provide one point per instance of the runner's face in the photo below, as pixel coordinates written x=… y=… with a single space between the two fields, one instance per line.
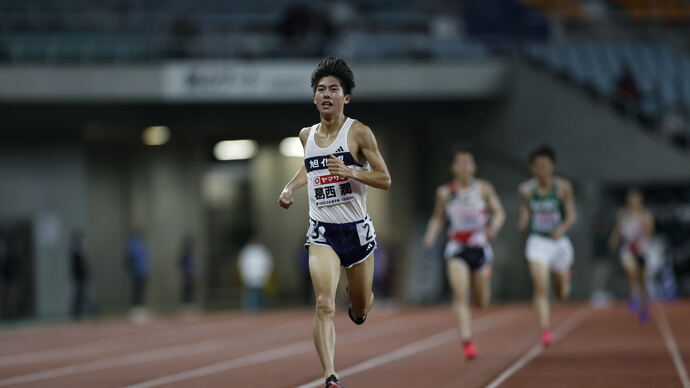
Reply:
x=463 y=165
x=542 y=167
x=634 y=200
x=329 y=97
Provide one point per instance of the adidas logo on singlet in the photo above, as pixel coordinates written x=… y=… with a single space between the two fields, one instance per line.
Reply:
x=340 y=149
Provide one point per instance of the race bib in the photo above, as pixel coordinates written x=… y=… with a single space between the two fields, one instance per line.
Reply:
x=366 y=232
x=546 y=221
x=315 y=233
x=469 y=220
x=331 y=189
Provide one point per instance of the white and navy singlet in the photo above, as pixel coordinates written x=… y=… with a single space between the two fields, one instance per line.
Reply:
x=332 y=198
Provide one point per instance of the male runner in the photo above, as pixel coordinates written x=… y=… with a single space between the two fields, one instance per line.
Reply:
x=341 y=159
x=547 y=212
x=635 y=227
x=475 y=215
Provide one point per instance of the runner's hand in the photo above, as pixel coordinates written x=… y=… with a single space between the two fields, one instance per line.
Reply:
x=285 y=199
x=522 y=226
x=337 y=167
x=429 y=242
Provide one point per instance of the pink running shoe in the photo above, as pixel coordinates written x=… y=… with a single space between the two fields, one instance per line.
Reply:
x=469 y=350
x=546 y=338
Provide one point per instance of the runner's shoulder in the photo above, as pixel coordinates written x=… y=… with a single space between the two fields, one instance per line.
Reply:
x=565 y=186
x=526 y=187
x=443 y=191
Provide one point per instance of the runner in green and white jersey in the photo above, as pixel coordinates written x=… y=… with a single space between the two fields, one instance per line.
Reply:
x=547 y=213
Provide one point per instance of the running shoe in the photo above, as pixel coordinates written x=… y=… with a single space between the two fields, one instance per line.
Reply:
x=644 y=315
x=634 y=306
x=469 y=350
x=546 y=338
x=333 y=382
x=357 y=320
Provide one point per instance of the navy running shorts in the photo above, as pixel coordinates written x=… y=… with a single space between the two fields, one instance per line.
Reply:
x=477 y=258
x=352 y=242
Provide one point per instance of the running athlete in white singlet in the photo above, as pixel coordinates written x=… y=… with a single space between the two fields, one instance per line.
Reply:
x=547 y=213
x=341 y=159
x=475 y=215
x=631 y=237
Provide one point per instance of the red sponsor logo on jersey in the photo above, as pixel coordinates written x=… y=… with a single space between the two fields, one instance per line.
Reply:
x=328 y=179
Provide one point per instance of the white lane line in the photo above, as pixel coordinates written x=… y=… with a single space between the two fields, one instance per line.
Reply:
x=106 y=345
x=667 y=334
x=164 y=353
x=561 y=331
x=179 y=350
x=62 y=350
x=449 y=335
x=252 y=359
x=384 y=328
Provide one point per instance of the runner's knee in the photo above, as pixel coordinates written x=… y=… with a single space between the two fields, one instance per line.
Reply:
x=325 y=307
x=540 y=289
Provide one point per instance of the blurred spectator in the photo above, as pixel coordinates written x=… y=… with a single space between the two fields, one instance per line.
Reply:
x=301 y=22
x=343 y=15
x=10 y=268
x=380 y=270
x=674 y=125
x=307 y=289
x=443 y=25
x=388 y=256
x=188 y=268
x=80 y=274
x=138 y=265
x=183 y=37
x=255 y=264
x=595 y=10
x=296 y=23
x=627 y=94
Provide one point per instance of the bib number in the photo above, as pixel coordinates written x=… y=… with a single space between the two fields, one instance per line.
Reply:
x=366 y=232
x=315 y=233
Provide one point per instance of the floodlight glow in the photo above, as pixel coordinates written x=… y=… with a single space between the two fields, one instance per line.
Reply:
x=155 y=135
x=235 y=149
x=292 y=147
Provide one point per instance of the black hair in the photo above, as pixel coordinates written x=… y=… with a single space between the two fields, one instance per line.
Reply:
x=337 y=68
x=635 y=190
x=542 y=150
x=459 y=148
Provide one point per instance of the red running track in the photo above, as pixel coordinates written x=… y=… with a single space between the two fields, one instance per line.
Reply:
x=407 y=347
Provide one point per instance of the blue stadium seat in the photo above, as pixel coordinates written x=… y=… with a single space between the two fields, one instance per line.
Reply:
x=456 y=48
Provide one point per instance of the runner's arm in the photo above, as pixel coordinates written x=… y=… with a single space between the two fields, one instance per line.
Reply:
x=436 y=220
x=523 y=221
x=569 y=208
x=285 y=198
x=498 y=215
x=379 y=177
x=649 y=224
